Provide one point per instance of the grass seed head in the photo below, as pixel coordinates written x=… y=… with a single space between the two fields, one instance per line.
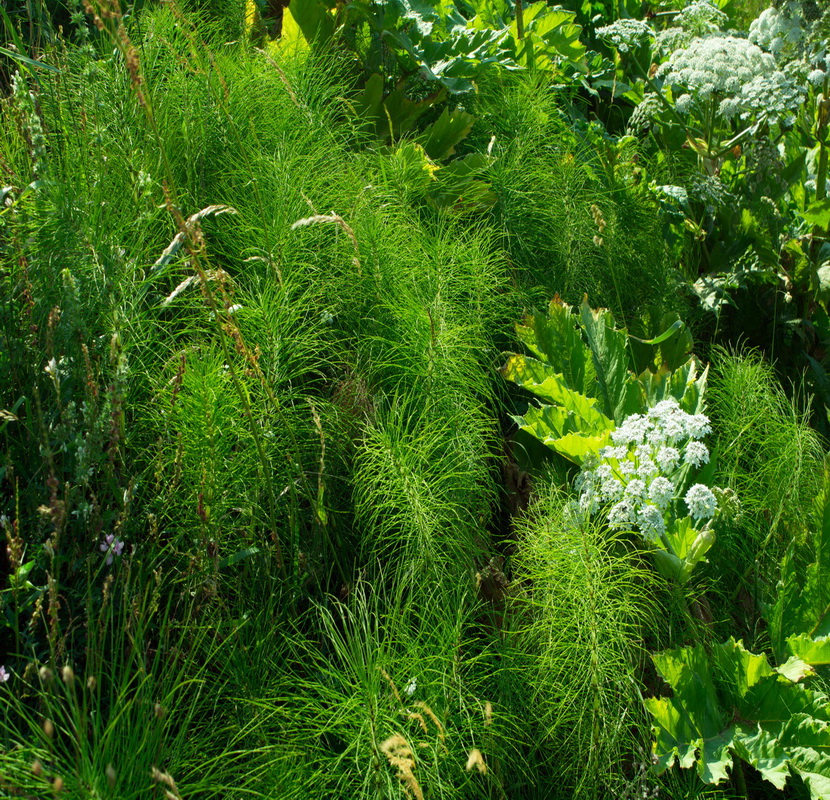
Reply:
x=476 y=761
x=400 y=756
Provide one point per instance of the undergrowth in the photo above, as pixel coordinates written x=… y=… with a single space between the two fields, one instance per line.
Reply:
x=264 y=536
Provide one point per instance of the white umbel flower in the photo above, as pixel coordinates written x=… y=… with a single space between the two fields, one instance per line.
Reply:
x=651 y=522
x=701 y=17
x=661 y=492
x=723 y=68
x=697 y=453
x=668 y=458
x=701 y=502
x=623 y=514
x=779 y=30
x=626 y=34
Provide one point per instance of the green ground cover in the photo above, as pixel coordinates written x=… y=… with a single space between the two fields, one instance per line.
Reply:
x=414 y=400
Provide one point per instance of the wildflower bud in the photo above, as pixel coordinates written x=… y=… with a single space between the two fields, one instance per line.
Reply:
x=110 y=773
x=48 y=728
x=37 y=768
x=68 y=675
x=159 y=711
x=45 y=674
x=57 y=784
x=91 y=683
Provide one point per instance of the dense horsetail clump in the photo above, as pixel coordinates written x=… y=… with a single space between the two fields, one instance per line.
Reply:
x=379 y=410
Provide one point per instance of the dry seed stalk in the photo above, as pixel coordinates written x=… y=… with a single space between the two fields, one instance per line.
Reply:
x=400 y=756
x=318 y=219
x=391 y=685
x=429 y=712
x=476 y=761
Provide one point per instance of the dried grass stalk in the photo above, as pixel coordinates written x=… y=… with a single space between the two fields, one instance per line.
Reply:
x=321 y=219
x=400 y=756
x=476 y=761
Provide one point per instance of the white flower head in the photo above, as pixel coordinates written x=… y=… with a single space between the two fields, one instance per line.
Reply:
x=701 y=17
x=698 y=425
x=611 y=489
x=779 y=30
x=651 y=522
x=623 y=514
x=661 y=492
x=647 y=468
x=635 y=488
x=618 y=453
x=701 y=502
x=633 y=430
x=726 y=67
x=588 y=501
x=696 y=454
x=683 y=103
x=626 y=34
x=668 y=458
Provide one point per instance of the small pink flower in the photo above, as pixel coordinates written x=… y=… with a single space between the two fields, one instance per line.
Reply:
x=4 y=675
x=111 y=546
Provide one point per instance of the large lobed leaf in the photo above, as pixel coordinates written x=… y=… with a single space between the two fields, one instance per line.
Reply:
x=582 y=369
x=732 y=702
x=799 y=620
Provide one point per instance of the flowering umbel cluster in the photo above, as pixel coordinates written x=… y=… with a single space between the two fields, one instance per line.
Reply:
x=637 y=475
x=734 y=73
x=626 y=34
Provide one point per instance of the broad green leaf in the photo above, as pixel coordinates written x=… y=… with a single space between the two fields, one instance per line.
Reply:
x=818 y=214
x=760 y=747
x=313 y=19
x=683 y=384
x=402 y=113
x=781 y=726
x=540 y=379
x=577 y=446
x=458 y=188
x=565 y=431
x=291 y=38
x=556 y=339
x=610 y=358
x=670 y=349
x=690 y=725
x=440 y=139
x=815 y=652
x=795 y=669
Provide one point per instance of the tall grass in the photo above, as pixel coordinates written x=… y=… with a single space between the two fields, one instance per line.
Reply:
x=767 y=452
x=549 y=180
x=586 y=601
